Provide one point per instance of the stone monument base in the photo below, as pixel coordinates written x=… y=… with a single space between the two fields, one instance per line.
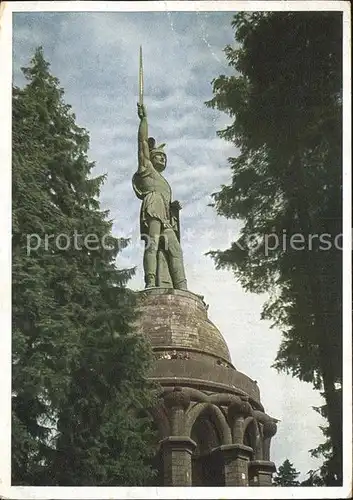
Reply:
x=210 y=418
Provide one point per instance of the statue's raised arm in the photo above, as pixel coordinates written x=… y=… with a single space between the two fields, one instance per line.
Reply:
x=142 y=139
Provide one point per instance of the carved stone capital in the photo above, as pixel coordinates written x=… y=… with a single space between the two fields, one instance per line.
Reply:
x=239 y=408
x=177 y=399
x=269 y=429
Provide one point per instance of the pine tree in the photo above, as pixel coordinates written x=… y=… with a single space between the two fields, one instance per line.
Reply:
x=285 y=100
x=286 y=475
x=79 y=371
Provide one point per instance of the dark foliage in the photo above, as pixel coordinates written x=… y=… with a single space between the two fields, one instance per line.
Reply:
x=79 y=371
x=285 y=100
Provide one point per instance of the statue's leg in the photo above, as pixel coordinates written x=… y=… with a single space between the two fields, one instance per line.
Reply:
x=150 y=255
x=175 y=260
x=164 y=279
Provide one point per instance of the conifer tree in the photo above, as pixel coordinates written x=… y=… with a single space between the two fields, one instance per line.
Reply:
x=79 y=371
x=286 y=475
x=285 y=101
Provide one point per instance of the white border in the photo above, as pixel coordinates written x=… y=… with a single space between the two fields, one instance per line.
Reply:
x=177 y=5
x=18 y=492
x=347 y=253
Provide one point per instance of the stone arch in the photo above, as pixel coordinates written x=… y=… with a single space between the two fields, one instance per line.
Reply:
x=208 y=428
x=215 y=415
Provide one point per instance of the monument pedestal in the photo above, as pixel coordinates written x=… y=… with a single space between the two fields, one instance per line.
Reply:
x=260 y=472
x=202 y=396
x=232 y=462
x=176 y=453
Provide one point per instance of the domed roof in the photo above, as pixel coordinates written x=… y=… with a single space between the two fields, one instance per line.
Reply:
x=178 y=319
x=189 y=349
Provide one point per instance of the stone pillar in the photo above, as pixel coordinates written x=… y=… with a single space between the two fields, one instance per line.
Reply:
x=176 y=457
x=177 y=402
x=237 y=411
x=269 y=430
x=260 y=472
x=231 y=462
x=176 y=449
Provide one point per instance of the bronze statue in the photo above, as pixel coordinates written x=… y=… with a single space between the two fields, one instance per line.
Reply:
x=159 y=217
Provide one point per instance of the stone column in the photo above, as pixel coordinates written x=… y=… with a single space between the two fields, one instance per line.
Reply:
x=231 y=462
x=176 y=457
x=237 y=411
x=269 y=430
x=177 y=402
x=177 y=449
x=260 y=472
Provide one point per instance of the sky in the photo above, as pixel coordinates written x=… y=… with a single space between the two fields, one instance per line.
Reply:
x=95 y=57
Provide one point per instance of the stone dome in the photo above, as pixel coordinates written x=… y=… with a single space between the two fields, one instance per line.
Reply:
x=190 y=350
x=181 y=322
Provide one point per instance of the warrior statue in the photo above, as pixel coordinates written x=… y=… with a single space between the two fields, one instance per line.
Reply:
x=159 y=217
